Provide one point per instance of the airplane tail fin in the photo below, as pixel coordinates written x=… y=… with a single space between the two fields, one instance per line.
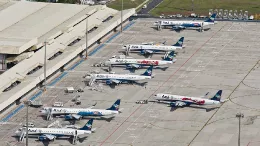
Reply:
x=211 y=18
x=180 y=42
x=170 y=56
x=88 y=125
x=217 y=96
x=115 y=106
x=148 y=72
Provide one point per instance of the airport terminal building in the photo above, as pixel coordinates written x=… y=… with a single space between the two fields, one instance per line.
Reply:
x=26 y=28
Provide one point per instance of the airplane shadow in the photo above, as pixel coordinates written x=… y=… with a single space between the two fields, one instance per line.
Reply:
x=73 y=122
x=42 y=116
x=205 y=108
x=79 y=139
x=45 y=142
x=196 y=107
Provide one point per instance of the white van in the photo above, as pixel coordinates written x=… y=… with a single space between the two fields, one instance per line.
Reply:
x=30 y=124
x=58 y=104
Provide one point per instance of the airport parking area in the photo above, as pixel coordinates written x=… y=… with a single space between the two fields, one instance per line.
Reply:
x=225 y=57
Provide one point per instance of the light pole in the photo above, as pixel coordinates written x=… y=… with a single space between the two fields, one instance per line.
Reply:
x=122 y=7
x=45 y=57
x=86 y=38
x=192 y=5
x=239 y=116
x=27 y=106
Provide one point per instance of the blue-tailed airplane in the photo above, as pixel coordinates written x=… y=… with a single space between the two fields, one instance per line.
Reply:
x=79 y=113
x=180 y=25
x=182 y=101
x=115 y=79
x=134 y=64
x=150 y=49
x=51 y=134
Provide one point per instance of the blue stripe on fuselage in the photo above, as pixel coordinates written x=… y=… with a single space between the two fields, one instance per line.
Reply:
x=154 y=50
x=191 y=25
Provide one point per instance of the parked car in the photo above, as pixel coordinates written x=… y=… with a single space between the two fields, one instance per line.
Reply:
x=141 y=102
x=30 y=124
x=58 y=104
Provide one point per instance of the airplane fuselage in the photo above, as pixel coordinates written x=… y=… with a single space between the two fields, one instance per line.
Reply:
x=79 y=111
x=58 y=132
x=143 y=62
x=190 y=100
x=183 y=23
x=120 y=77
x=155 y=48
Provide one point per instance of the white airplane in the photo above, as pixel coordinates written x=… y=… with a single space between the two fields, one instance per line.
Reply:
x=140 y=63
x=181 y=101
x=52 y=133
x=79 y=113
x=179 y=25
x=150 y=49
x=115 y=79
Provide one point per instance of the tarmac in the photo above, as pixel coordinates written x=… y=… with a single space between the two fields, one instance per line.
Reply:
x=225 y=57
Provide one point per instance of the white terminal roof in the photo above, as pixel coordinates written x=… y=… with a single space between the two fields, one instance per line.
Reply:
x=23 y=23
x=26 y=24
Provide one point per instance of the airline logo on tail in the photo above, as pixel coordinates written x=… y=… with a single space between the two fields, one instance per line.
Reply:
x=116 y=106
x=89 y=125
x=149 y=72
x=180 y=42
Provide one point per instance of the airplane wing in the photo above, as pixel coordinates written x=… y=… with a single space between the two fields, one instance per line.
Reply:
x=76 y=116
x=178 y=104
x=49 y=136
x=149 y=51
x=135 y=65
x=178 y=27
x=115 y=81
x=175 y=105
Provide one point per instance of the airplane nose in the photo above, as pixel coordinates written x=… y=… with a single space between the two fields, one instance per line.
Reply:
x=155 y=23
x=88 y=77
x=43 y=111
x=124 y=47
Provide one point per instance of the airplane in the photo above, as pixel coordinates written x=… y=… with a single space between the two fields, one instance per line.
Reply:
x=180 y=25
x=51 y=134
x=150 y=49
x=79 y=113
x=140 y=63
x=115 y=79
x=182 y=101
